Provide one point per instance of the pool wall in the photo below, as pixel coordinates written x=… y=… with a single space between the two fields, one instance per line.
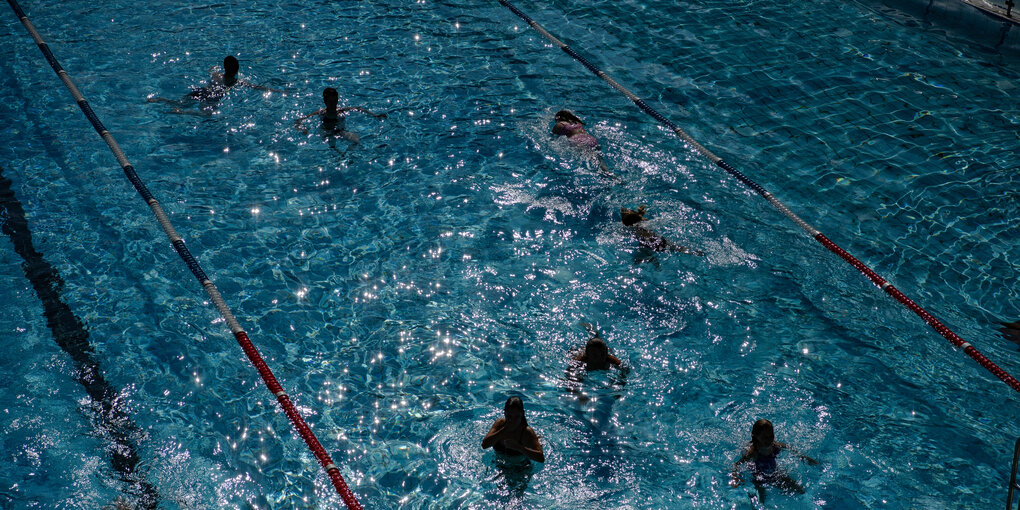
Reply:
x=959 y=19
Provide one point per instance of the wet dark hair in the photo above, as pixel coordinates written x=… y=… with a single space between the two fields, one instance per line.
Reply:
x=632 y=217
x=330 y=93
x=516 y=403
x=596 y=342
x=566 y=115
x=230 y=65
x=760 y=426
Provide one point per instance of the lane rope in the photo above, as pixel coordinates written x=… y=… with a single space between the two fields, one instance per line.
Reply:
x=196 y=269
x=810 y=230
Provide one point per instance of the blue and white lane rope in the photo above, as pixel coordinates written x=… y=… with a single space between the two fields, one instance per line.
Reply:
x=813 y=232
x=332 y=471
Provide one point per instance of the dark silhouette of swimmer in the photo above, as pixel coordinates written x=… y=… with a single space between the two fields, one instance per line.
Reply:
x=334 y=119
x=1011 y=331
x=511 y=435
x=760 y=457
x=596 y=355
x=646 y=238
x=570 y=126
x=208 y=96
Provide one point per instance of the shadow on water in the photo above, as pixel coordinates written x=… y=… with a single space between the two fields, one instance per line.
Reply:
x=90 y=208
x=72 y=337
x=594 y=395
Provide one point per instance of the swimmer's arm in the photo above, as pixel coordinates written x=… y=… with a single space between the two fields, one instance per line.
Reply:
x=735 y=479
x=699 y=253
x=613 y=360
x=256 y=86
x=748 y=455
x=683 y=249
x=807 y=459
x=200 y=113
x=494 y=432
x=362 y=110
x=533 y=449
x=604 y=168
x=299 y=120
x=154 y=99
x=796 y=452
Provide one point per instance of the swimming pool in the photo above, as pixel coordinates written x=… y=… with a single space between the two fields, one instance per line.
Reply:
x=402 y=288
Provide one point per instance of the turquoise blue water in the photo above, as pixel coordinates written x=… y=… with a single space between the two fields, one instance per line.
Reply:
x=402 y=288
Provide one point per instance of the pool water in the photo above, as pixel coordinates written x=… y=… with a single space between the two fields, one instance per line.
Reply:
x=404 y=287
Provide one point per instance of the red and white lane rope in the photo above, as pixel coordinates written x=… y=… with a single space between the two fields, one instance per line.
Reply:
x=813 y=232
x=178 y=243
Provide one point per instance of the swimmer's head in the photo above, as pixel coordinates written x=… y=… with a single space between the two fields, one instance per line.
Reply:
x=513 y=411
x=330 y=97
x=596 y=353
x=632 y=217
x=566 y=116
x=230 y=66
x=762 y=434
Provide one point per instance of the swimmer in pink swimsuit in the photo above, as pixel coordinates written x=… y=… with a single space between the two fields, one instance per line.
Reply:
x=570 y=126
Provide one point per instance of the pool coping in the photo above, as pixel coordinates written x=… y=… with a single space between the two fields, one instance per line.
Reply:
x=996 y=10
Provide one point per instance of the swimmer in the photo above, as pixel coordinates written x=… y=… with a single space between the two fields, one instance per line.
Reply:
x=593 y=357
x=511 y=435
x=596 y=355
x=334 y=119
x=648 y=239
x=209 y=95
x=761 y=453
x=1011 y=331
x=569 y=125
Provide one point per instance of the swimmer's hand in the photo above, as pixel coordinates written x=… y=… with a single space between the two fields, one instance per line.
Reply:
x=495 y=432
x=381 y=116
x=736 y=480
x=689 y=251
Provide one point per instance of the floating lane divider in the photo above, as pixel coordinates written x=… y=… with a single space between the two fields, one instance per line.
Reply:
x=242 y=337
x=818 y=236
